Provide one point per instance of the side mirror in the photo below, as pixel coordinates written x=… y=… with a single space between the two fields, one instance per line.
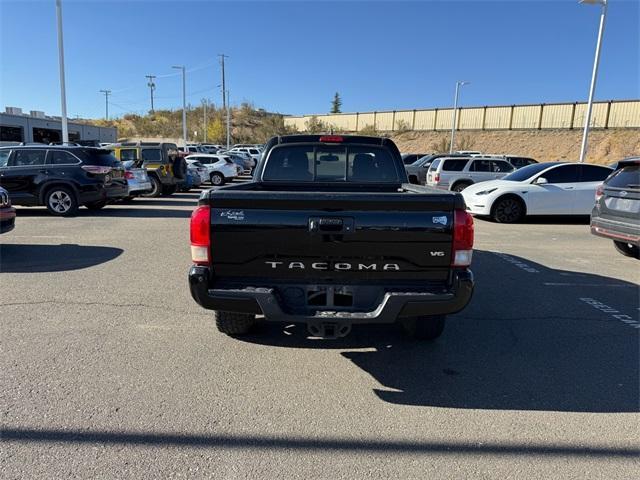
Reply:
x=541 y=181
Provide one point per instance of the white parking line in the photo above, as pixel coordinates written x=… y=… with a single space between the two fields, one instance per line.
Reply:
x=615 y=314
x=517 y=263
x=607 y=285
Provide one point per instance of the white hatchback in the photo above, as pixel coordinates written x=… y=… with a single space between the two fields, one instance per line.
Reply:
x=220 y=168
x=551 y=188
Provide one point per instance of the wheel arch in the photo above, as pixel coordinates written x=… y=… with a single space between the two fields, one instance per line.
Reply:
x=45 y=187
x=466 y=181
x=509 y=195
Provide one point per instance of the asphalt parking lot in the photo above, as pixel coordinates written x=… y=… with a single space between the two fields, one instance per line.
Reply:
x=111 y=370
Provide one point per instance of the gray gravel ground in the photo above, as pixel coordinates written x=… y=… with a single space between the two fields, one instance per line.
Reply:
x=110 y=370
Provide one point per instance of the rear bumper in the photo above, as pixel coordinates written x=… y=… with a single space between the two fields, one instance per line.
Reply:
x=394 y=305
x=117 y=190
x=618 y=231
x=136 y=186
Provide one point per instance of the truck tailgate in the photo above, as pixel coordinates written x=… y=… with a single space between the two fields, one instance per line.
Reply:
x=270 y=237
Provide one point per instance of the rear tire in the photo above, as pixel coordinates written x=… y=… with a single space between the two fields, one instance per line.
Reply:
x=627 y=249
x=217 y=179
x=61 y=201
x=508 y=210
x=234 y=324
x=413 y=180
x=156 y=188
x=424 y=328
x=460 y=186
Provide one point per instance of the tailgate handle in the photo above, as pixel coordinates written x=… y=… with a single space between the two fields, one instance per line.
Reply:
x=330 y=224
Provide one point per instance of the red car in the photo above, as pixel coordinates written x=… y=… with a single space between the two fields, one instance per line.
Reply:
x=7 y=212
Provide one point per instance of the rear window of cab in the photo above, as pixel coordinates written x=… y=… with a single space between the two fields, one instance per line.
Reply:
x=330 y=163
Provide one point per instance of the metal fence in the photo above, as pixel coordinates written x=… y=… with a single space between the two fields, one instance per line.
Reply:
x=610 y=114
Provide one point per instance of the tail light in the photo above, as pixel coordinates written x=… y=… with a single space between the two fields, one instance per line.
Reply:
x=436 y=177
x=331 y=139
x=599 y=191
x=201 y=235
x=96 y=169
x=462 y=239
x=129 y=175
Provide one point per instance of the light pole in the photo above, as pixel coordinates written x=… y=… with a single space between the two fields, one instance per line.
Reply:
x=455 y=113
x=184 y=103
x=594 y=74
x=106 y=103
x=63 y=91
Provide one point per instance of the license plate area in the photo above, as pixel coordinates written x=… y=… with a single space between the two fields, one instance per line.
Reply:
x=309 y=299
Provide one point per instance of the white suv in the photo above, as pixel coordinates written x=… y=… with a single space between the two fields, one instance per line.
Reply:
x=458 y=173
x=252 y=151
x=219 y=167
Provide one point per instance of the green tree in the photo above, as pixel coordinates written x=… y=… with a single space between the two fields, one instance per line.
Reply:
x=336 y=104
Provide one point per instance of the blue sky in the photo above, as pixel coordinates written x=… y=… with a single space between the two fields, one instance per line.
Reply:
x=292 y=56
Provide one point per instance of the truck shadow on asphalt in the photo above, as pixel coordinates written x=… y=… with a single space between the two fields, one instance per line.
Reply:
x=114 y=211
x=52 y=258
x=529 y=340
x=548 y=220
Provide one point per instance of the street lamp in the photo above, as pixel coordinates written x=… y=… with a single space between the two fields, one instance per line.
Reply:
x=184 y=103
x=455 y=113
x=63 y=92
x=594 y=74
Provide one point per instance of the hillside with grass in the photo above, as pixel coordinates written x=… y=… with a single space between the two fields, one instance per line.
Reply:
x=248 y=124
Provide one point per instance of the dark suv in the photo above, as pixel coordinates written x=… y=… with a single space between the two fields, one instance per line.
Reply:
x=61 y=177
x=616 y=214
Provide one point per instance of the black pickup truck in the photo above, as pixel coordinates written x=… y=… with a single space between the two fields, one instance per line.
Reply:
x=330 y=233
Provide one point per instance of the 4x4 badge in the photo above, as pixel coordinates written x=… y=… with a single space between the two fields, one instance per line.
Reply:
x=441 y=220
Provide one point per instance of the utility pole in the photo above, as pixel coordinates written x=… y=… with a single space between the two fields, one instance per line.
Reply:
x=152 y=86
x=205 y=120
x=63 y=92
x=106 y=103
x=228 y=120
x=184 y=103
x=224 y=101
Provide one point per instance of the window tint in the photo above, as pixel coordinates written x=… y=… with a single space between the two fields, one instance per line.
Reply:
x=103 y=158
x=330 y=164
x=60 y=157
x=28 y=158
x=371 y=165
x=454 y=165
x=481 y=166
x=591 y=173
x=526 y=172
x=128 y=154
x=500 y=166
x=434 y=166
x=151 y=154
x=290 y=163
x=4 y=157
x=563 y=174
x=627 y=177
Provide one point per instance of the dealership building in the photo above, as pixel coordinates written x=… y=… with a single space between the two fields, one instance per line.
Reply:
x=36 y=127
